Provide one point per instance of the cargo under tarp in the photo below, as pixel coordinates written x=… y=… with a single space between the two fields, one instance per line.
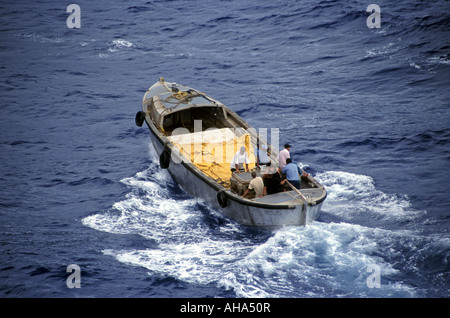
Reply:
x=212 y=151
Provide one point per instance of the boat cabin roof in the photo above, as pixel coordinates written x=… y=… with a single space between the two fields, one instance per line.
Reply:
x=168 y=98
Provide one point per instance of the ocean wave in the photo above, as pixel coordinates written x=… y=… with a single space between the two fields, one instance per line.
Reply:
x=317 y=260
x=117 y=46
x=197 y=245
x=42 y=38
x=354 y=198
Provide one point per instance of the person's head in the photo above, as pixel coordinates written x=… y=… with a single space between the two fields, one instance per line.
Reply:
x=287 y=146
x=242 y=150
x=271 y=171
x=254 y=174
x=288 y=160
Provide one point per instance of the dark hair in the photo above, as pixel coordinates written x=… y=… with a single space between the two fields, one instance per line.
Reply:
x=254 y=174
x=288 y=160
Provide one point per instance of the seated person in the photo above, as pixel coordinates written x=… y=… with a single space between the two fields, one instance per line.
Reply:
x=240 y=158
x=274 y=182
x=256 y=184
x=293 y=173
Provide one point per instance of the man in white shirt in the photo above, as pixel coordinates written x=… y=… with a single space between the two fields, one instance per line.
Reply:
x=283 y=155
x=239 y=159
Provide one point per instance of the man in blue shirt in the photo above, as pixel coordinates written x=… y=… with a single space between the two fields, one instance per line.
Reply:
x=293 y=173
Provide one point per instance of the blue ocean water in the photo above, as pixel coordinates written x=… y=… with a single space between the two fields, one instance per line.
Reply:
x=367 y=111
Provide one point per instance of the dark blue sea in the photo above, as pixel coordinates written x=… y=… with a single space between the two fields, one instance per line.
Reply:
x=367 y=111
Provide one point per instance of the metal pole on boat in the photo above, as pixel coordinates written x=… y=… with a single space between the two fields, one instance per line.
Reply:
x=304 y=199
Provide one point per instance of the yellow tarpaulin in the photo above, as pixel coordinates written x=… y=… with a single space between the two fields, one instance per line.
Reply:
x=212 y=151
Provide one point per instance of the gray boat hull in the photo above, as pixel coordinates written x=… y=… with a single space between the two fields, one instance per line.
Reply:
x=236 y=208
x=169 y=107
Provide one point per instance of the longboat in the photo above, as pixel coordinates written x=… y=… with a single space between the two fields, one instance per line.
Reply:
x=185 y=122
